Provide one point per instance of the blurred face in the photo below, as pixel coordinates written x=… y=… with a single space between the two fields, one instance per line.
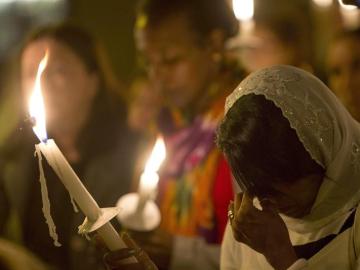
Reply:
x=344 y=73
x=266 y=51
x=178 y=66
x=144 y=107
x=68 y=88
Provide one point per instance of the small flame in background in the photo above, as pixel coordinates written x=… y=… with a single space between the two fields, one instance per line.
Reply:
x=36 y=103
x=243 y=9
x=350 y=15
x=323 y=3
x=149 y=177
x=347 y=7
x=157 y=156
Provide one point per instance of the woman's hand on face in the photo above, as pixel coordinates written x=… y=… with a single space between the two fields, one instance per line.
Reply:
x=262 y=230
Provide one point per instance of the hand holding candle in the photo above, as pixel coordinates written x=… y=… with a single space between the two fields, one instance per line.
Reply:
x=97 y=219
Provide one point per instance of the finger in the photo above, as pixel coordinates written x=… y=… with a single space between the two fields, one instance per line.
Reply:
x=142 y=257
x=239 y=235
x=116 y=258
x=99 y=243
x=130 y=242
x=238 y=201
x=145 y=260
x=247 y=205
x=269 y=205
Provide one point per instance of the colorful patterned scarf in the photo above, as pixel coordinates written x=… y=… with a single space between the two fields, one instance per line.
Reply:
x=186 y=183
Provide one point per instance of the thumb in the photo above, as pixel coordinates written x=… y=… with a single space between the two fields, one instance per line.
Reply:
x=269 y=205
x=237 y=200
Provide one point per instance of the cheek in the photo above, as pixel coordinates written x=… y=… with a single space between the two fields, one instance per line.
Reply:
x=27 y=87
x=197 y=74
x=64 y=92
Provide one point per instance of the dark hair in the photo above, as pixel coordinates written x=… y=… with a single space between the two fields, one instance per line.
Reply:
x=204 y=16
x=85 y=46
x=261 y=147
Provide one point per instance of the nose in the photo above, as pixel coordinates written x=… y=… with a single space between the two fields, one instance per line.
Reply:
x=159 y=75
x=158 y=72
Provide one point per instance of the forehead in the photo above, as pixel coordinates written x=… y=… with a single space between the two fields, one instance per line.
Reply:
x=36 y=50
x=173 y=30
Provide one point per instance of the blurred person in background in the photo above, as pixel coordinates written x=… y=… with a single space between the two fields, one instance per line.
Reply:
x=182 y=45
x=277 y=39
x=144 y=105
x=343 y=69
x=88 y=123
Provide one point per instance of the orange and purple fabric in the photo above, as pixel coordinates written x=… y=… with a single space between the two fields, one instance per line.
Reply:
x=195 y=182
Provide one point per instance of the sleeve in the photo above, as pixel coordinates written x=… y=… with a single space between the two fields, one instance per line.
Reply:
x=194 y=253
x=222 y=194
x=227 y=259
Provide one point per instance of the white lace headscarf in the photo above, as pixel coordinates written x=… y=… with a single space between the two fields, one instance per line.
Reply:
x=328 y=133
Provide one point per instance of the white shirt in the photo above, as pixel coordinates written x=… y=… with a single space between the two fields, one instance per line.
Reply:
x=336 y=255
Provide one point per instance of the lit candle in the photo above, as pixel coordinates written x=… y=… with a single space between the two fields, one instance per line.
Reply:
x=149 y=178
x=244 y=12
x=323 y=3
x=62 y=168
x=138 y=210
x=350 y=15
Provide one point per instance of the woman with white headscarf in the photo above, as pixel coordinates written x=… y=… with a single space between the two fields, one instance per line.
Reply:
x=294 y=148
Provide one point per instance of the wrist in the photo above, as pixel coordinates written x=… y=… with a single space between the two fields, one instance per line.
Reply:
x=282 y=259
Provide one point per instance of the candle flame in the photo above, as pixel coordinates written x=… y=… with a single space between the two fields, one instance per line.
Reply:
x=350 y=15
x=149 y=178
x=323 y=3
x=157 y=156
x=346 y=6
x=243 y=9
x=36 y=103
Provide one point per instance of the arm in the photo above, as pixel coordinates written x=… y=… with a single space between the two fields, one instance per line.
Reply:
x=227 y=258
x=263 y=231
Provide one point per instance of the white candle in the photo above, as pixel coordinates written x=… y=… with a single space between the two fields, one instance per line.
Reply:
x=77 y=190
x=147 y=188
x=244 y=12
x=323 y=3
x=150 y=178
x=350 y=15
x=63 y=170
